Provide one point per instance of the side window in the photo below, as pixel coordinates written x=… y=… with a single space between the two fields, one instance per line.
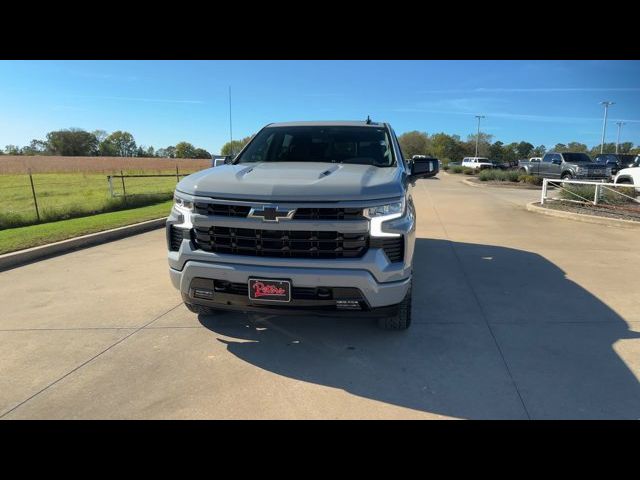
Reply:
x=547 y=158
x=402 y=159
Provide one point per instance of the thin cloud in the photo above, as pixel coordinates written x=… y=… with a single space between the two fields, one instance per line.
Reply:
x=150 y=100
x=535 y=90
x=516 y=116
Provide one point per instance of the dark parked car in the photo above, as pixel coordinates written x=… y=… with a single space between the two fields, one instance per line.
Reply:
x=617 y=161
x=567 y=166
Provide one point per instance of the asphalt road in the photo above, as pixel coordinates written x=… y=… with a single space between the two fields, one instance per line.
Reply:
x=516 y=315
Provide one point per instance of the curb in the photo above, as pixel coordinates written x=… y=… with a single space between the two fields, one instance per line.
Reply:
x=581 y=217
x=22 y=257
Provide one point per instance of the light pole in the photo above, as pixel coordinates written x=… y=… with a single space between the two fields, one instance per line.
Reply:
x=604 y=124
x=478 y=135
x=620 y=124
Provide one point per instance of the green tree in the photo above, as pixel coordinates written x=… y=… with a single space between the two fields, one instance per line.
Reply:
x=414 y=143
x=12 y=150
x=201 y=153
x=496 y=151
x=118 y=144
x=171 y=151
x=483 y=144
x=625 y=147
x=539 y=151
x=524 y=149
x=100 y=135
x=447 y=147
x=72 y=142
x=577 y=147
x=185 y=150
x=234 y=147
x=560 y=147
x=35 y=147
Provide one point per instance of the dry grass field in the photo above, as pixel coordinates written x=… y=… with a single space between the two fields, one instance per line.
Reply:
x=17 y=164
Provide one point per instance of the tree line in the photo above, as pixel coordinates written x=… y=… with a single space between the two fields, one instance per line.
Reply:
x=452 y=148
x=74 y=142
x=78 y=142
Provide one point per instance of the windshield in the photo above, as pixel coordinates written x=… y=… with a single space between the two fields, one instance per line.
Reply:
x=576 y=157
x=359 y=145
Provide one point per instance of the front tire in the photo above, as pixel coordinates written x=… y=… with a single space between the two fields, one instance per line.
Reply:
x=402 y=319
x=567 y=176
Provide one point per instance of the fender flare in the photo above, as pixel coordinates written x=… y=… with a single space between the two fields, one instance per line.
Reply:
x=625 y=178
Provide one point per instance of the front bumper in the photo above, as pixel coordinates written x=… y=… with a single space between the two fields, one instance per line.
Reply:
x=374 y=293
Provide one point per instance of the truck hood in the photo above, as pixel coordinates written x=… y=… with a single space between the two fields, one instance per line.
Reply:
x=295 y=181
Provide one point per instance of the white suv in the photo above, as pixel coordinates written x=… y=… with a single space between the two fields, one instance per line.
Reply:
x=477 y=163
x=630 y=175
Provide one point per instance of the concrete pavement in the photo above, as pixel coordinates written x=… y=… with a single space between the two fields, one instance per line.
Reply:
x=516 y=315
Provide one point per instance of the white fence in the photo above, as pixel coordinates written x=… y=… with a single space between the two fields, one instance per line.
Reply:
x=599 y=190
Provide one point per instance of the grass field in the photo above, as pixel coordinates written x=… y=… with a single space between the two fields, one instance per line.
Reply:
x=26 y=237
x=61 y=196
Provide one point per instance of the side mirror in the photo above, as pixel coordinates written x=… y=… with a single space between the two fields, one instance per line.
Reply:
x=556 y=162
x=422 y=167
x=229 y=159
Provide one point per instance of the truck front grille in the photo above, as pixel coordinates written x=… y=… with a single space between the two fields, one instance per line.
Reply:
x=280 y=243
x=301 y=213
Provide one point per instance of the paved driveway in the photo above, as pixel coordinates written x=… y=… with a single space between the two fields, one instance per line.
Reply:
x=516 y=315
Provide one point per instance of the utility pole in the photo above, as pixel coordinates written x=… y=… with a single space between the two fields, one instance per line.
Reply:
x=478 y=135
x=620 y=124
x=606 y=104
x=230 y=125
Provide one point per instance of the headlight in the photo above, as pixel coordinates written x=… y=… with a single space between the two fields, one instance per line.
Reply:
x=383 y=213
x=182 y=203
x=384 y=210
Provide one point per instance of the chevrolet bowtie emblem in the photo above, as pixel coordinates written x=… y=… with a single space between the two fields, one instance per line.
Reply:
x=271 y=214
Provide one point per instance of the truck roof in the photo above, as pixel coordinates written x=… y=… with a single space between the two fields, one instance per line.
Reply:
x=333 y=123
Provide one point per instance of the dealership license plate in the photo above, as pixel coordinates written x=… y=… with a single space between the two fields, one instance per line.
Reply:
x=264 y=289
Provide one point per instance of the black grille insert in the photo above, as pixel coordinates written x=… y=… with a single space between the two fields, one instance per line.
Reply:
x=175 y=238
x=328 y=214
x=393 y=247
x=301 y=213
x=280 y=243
x=221 y=209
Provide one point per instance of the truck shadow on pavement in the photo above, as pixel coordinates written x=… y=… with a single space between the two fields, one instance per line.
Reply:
x=497 y=333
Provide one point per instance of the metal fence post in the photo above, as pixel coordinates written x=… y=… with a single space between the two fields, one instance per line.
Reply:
x=110 y=179
x=177 y=176
x=544 y=191
x=124 y=191
x=35 y=199
x=596 y=195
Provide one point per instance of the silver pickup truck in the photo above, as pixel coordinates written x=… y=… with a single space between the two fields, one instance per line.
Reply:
x=311 y=217
x=566 y=166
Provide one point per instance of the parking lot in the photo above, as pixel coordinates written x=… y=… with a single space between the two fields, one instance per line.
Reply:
x=516 y=315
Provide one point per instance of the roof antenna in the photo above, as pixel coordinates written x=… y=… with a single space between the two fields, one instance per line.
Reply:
x=368 y=122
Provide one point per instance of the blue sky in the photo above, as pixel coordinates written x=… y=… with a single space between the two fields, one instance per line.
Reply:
x=164 y=102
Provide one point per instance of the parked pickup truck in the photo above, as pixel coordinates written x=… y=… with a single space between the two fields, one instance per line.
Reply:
x=312 y=217
x=617 y=161
x=566 y=165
